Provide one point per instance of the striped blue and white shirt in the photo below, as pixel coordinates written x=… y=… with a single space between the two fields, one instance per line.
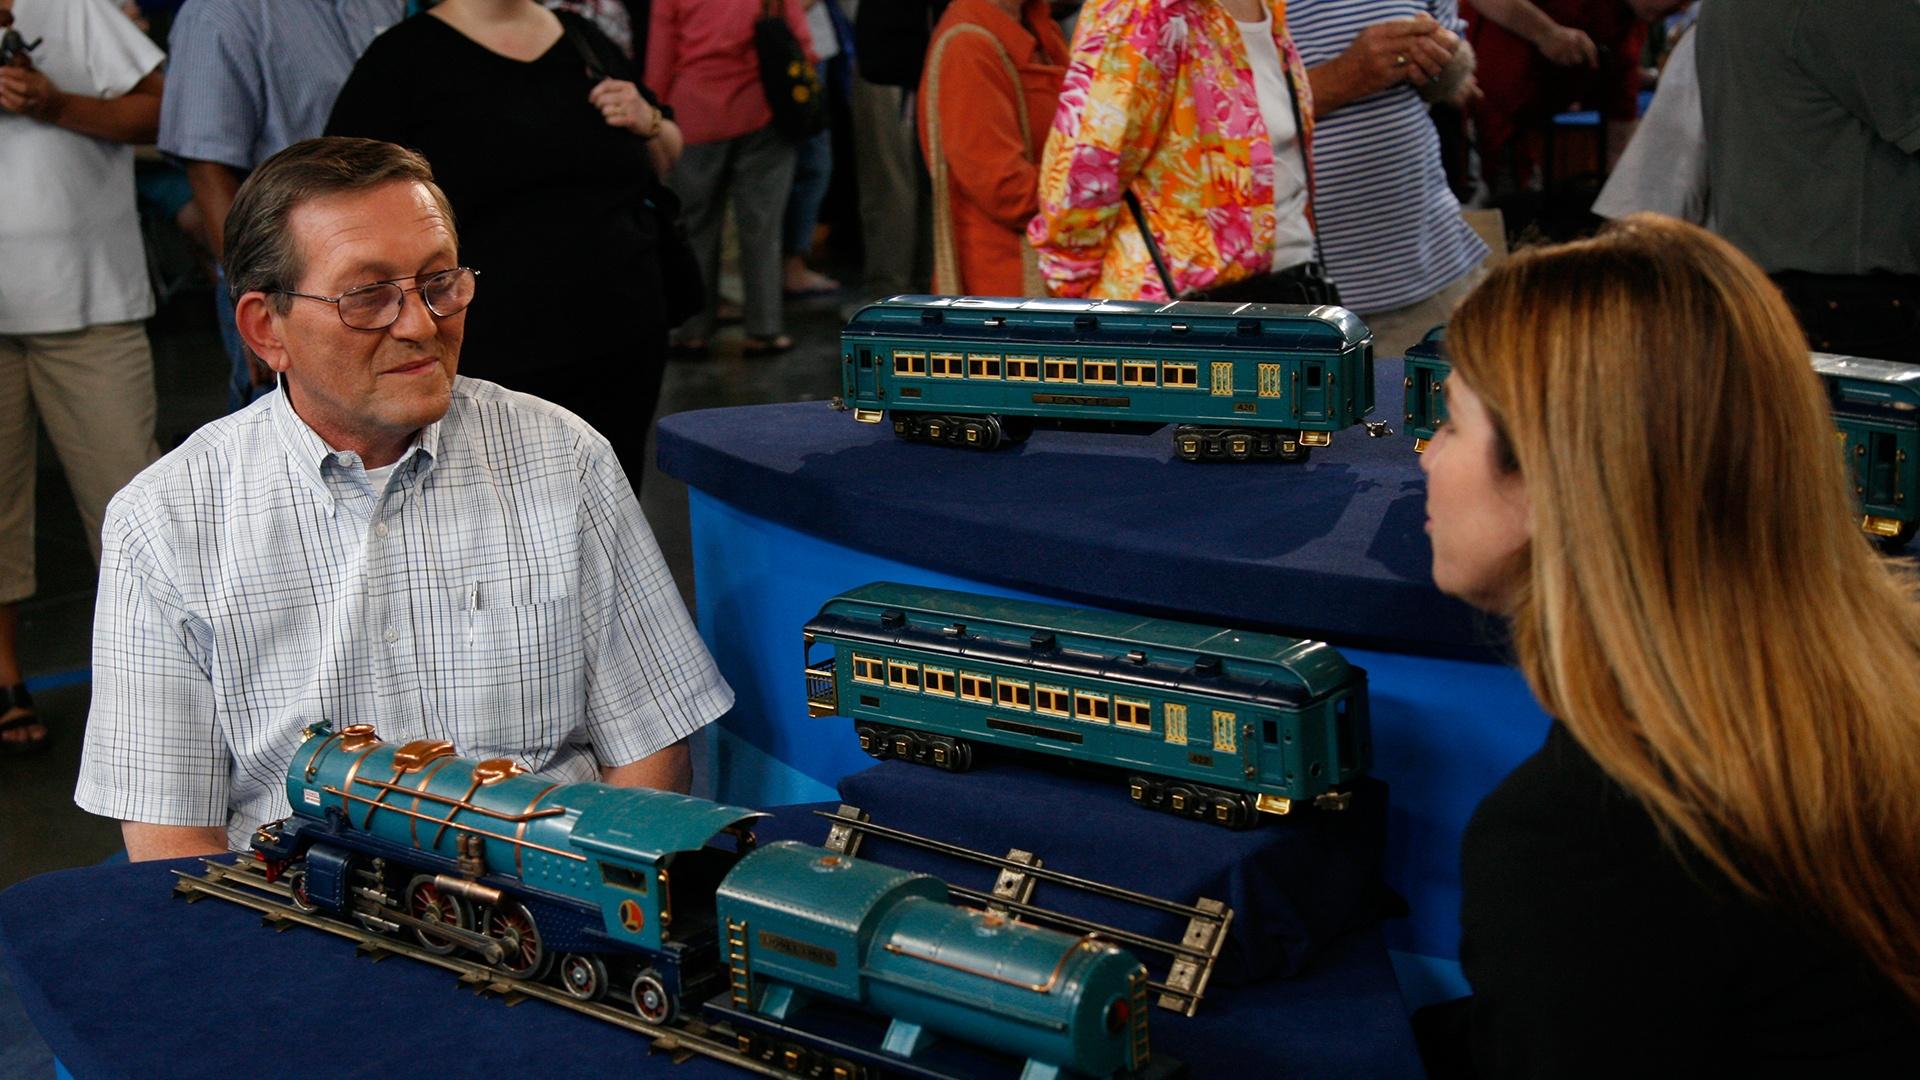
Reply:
x=248 y=78
x=501 y=591
x=1390 y=228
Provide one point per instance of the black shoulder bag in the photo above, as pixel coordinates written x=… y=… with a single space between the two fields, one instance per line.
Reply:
x=786 y=75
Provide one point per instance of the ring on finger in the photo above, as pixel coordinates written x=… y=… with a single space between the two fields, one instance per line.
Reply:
x=1399 y=59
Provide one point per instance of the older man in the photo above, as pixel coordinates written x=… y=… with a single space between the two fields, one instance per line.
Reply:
x=378 y=541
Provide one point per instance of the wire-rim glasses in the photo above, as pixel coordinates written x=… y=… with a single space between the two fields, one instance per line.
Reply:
x=377 y=305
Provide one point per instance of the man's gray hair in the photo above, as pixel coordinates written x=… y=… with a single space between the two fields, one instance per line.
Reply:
x=260 y=253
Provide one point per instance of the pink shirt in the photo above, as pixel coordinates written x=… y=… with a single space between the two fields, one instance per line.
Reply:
x=701 y=61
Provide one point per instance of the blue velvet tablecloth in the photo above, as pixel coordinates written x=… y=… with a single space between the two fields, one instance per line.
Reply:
x=125 y=981
x=1334 y=549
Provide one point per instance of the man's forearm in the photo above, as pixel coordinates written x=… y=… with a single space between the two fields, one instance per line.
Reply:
x=1518 y=16
x=146 y=842
x=668 y=770
x=214 y=186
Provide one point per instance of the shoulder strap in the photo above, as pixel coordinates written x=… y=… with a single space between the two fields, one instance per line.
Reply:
x=946 y=260
x=579 y=41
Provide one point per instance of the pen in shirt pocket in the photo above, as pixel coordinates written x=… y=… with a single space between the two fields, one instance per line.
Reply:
x=473 y=610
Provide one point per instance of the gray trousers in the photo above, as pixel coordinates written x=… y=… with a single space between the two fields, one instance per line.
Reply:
x=756 y=170
x=896 y=209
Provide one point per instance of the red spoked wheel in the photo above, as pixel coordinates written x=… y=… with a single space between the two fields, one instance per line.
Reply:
x=426 y=902
x=650 y=998
x=524 y=951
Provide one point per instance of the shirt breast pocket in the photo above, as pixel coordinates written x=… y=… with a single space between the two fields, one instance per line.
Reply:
x=510 y=680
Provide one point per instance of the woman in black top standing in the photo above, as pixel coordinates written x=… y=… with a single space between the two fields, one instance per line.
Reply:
x=1713 y=865
x=546 y=147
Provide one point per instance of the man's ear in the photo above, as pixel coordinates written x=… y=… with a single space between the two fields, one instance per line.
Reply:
x=260 y=328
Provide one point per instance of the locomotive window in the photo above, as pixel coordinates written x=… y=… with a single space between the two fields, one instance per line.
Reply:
x=904 y=676
x=939 y=681
x=1090 y=707
x=946 y=365
x=1134 y=714
x=909 y=363
x=1100 y=371
x=1223 y=378
x=982 y=366
x=1063 y=369
x=1187 y=375
x=1176 y=723
x=1269 y=380
x=1225 y=728
x=1015 y=695
x=865 y=669
x=976 y=687
x=1023 y=368
x=623 y=878
x=1051 y=700
x=1138 y=373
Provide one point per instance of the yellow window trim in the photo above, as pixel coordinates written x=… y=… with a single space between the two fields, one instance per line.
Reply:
x=860 y=662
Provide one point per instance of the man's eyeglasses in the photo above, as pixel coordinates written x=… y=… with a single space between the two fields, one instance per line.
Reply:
x=377 y=306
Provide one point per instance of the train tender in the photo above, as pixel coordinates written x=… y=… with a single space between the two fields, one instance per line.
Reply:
x=1206 y=722
x=663 y=900
x=1238 y=381
x=1876 y=408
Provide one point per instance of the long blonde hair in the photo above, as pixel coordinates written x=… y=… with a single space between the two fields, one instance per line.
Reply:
x=1697 y=604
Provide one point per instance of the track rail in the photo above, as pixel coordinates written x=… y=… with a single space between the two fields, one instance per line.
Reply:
x=245 y=884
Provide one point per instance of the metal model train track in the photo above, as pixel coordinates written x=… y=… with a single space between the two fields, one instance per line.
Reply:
x=1191 y=959
x=243 y=882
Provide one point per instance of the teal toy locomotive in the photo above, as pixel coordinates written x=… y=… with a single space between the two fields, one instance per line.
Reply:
x=1876 y=409
x=1237 y=381
x=1218 y=724
x=663 y=901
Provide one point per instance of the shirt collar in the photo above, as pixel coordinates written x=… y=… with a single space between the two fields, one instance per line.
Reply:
x=310 y=453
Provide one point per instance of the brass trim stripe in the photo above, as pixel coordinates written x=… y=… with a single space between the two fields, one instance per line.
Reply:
x=463 y=828
x=1086 y=943
x=520 y=831
x=463 y=804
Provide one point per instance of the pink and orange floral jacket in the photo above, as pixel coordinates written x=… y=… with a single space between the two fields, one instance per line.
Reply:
x=1159 y=98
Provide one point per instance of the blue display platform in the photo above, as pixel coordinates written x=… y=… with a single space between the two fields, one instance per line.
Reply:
x=124 y=981
x=792 y=504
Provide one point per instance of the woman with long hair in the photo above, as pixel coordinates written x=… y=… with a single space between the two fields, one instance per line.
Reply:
x=1713 y=864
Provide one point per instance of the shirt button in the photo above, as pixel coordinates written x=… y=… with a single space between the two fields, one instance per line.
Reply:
x=380 y=530
x=392 y=635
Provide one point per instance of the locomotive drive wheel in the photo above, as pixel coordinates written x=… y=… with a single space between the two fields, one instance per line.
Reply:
x=426 y=902
x=584 y=978
x=650 y=998
x=297 y=888
x=525 y=951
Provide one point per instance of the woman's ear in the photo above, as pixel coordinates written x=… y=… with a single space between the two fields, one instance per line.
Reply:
x=262 y=329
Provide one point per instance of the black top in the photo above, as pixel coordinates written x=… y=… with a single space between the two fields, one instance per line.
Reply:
x=544 y=191
x=1594 y=949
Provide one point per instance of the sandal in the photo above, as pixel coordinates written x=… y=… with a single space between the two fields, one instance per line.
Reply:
x=766 y=346
x=690 y=349
x=16 y=701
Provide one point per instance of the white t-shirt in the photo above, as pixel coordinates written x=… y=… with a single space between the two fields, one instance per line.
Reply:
x=68 y=226
x=1292 y=233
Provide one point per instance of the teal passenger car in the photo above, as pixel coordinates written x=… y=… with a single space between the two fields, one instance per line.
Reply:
x=1876 y=409
x=1207 y=722
x=1876 y=404
x=1238 y=381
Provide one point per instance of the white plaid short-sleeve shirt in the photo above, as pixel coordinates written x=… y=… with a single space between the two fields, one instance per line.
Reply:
x=503 y=592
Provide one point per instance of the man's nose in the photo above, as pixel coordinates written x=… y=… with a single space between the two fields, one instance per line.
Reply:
x=416 y=320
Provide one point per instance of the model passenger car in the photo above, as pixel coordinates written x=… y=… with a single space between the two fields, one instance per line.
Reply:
x=1876 y=409
x=1206 y=722
x=1237 y=381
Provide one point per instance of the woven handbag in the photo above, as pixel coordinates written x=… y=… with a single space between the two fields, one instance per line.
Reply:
x=946 y=255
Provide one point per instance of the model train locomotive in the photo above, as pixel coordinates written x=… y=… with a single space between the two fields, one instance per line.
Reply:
x=663 y=900
x=1238 y=381
x=1206 y=722
x=1876 y=407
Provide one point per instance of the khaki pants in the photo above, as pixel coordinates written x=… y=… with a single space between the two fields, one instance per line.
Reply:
x=93 y=388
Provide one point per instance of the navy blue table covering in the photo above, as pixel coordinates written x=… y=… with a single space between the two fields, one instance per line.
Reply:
x=125 y=981
x=1114 y=521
